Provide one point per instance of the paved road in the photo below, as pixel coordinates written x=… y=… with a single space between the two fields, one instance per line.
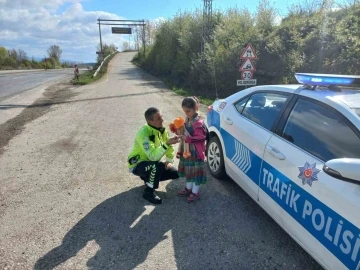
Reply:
x=67 y=200
x=14 y=83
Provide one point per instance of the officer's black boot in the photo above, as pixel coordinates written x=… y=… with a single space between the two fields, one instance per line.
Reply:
x=150 y=196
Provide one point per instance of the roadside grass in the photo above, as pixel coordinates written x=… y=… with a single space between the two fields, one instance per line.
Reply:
x=87 y=76
x=180 y=91
x=177 y=90
x=185 y=93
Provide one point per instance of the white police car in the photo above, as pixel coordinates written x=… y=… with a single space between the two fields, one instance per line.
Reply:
x=295 y=149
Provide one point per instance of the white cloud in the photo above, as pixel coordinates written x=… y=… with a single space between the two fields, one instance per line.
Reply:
x=159 y=20
x=37 y=24
x=30 y=4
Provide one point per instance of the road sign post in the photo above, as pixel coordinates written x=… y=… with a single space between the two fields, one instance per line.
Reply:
x=248 y=53
x=121 y=30
x=247 y=65
x=246 y=82
x=247 y=75
x=247 y=68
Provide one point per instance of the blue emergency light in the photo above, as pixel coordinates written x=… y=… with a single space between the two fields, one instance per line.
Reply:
x=314 y=79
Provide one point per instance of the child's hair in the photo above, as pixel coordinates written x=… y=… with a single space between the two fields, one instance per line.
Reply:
x=190 y=103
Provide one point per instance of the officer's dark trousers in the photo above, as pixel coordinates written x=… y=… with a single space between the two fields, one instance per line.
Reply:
x=152 y=172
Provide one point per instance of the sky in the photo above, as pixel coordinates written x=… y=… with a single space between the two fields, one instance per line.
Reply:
x=35 y=25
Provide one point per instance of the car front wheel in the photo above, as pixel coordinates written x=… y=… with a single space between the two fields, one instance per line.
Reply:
x=215 y=158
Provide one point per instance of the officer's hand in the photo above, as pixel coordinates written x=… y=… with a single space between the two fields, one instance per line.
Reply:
x=168 y=165
x=173 y=140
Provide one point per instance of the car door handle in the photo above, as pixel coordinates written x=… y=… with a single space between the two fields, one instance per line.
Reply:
x=228 y=120
x=276 y=153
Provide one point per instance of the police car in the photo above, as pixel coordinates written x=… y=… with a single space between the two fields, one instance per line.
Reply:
x=295 y=149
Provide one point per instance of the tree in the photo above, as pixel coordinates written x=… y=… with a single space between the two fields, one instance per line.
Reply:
x=313 y=37
x=125 y=46
x=106 y=49
x=21 y=55
x=138 y=35
x=13 y=54
x=348 y=4
x=265 y=18
x=3 y=53
x=54 y=51
x=145 y=33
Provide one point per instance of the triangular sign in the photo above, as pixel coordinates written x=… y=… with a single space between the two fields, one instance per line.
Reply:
x=247 y=65
x=248 y=53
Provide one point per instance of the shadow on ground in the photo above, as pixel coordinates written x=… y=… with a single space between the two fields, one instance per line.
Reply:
x=220 y=231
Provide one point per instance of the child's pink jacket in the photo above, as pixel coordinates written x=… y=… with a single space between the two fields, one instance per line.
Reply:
x=198 y=138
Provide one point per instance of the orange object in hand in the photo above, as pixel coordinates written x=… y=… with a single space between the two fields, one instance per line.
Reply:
x=186 y=154
x=179 y=122
x=172 y=128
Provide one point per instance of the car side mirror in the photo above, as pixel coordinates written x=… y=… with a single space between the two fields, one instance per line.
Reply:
x=347 y=169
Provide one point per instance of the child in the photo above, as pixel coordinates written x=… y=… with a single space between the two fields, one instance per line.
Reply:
x=76 y=72
x=193 y=167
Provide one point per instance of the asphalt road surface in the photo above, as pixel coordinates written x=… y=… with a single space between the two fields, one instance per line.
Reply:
x=14 y=83
x=67 y=200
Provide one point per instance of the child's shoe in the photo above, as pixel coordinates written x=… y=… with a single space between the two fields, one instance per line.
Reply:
x=193 y=197
x=184 y=192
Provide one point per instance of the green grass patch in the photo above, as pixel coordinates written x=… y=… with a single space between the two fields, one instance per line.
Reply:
x=85 y=78
x=180 y=91
x=206 y=101
x=185 y=93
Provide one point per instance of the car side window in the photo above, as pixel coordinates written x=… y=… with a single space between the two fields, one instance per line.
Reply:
x=263 y=108
x=240 y=105
x=321 y=132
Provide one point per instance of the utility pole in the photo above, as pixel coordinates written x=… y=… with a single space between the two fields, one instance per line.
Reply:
x=100 y=37
x=144 y=41
x=129 y=40
x=137 y=39
x=207 y=23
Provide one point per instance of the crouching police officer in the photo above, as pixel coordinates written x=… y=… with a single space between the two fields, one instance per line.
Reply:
x=152 y=143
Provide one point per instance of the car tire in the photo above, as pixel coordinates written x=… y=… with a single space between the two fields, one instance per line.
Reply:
x=215 y=158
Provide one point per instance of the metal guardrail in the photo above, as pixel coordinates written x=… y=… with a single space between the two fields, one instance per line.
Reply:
x=98 y=69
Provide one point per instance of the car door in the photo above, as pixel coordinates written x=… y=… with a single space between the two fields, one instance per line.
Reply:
x=320 y=211
x=246 y=128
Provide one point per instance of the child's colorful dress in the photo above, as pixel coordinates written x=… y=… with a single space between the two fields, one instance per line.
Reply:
x=193 y=167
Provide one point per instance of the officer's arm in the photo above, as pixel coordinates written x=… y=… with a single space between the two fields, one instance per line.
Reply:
x=153 y=153
x=170 y=151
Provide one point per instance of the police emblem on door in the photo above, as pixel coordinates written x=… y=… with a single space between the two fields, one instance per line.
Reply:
x=308 y=173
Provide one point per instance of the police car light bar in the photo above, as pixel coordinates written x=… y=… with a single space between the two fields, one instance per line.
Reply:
x=314 y=79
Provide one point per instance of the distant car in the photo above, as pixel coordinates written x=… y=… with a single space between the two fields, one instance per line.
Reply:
x=295 y=149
